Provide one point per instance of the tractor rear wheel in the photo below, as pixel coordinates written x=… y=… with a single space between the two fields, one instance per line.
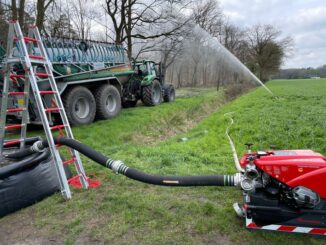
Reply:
x=108 y=101
x=152 y=94
x=168 y=93
x=80 y=105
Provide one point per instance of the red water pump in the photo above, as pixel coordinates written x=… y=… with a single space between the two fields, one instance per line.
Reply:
x=284 y=191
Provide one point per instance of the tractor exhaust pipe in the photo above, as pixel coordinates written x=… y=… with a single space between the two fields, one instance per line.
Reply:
x=121 y=168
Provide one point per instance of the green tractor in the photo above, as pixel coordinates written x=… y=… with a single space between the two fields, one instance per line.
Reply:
x=96 y=80
x=147 y=85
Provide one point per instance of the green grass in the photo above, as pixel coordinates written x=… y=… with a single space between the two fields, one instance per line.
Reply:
x=123 y=211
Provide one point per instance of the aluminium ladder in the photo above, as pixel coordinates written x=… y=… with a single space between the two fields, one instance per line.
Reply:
x=32 y=64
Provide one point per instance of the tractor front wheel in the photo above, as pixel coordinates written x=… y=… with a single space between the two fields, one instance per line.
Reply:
x=152 y=94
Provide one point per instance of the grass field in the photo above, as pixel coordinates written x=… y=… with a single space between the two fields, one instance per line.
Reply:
x=123 y=211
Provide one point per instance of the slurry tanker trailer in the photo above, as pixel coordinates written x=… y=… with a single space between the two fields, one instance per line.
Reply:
x=95 y=80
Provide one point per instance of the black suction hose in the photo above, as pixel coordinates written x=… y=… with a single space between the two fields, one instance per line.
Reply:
x=209 y=180
x=28 y=141
x=21 y=154
x=28 y=162
x=120 y=167
x=26 y=151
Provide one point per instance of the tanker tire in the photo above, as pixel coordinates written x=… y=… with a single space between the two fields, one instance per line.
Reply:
x=152 y=94
x=129 y=103
x=168 y=93
x=108 y=101
x=80 y=105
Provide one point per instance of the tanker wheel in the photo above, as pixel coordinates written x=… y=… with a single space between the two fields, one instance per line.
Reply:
x=168 y=93
x=129 y=103
x=108 y=101
x=80 y=105
x=152 y=94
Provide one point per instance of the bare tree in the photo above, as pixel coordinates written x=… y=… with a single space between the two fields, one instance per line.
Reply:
x=232 y=38
x=141 y=19
x=208 y=15
x=18 y=12
x=41 y=7
x=3 y=23
x=59 y=26
x=82 y=13
x=266 y=50
x=14 y=11
x=169 y=50
x=21 y=12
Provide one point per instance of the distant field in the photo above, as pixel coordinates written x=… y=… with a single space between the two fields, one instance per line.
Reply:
x=123 y=211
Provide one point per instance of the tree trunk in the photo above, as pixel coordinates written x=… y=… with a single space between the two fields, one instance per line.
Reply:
x=205 y=74
x=13 y=10
x=21 y=13
x=179 y=72
x=218 y=83
x=129 y=28
x=40 y=13
x=172 y=74
x=164 y=66
x=129 y=47
x=194 y=82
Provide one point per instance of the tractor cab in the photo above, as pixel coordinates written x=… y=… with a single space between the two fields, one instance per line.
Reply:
x=149 y=68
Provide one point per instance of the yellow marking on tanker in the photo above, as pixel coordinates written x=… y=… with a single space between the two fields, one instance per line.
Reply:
x=121 y=68
x=171 y=181
x=20 y=102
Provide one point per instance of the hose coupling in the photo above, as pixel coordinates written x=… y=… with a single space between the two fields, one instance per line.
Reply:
x=237 y=179
x=38 y=147
x=117 y=166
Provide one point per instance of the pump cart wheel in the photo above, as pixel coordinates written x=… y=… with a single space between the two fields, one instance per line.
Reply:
x=152 y=94
x=80 y=105
x=108 y=101
x=168 y=93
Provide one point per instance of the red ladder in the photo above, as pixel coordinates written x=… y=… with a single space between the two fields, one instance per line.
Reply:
x=37 y=67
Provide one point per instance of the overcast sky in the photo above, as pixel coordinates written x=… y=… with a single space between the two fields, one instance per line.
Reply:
x=303 y=20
